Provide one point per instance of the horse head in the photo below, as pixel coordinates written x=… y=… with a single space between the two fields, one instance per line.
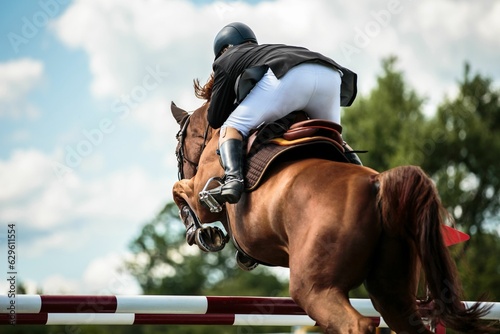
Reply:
x=192 y=138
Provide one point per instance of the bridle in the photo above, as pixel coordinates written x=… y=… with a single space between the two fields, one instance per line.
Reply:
x=179 y=151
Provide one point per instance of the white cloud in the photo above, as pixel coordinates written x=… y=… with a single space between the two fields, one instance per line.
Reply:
x=57 y=284
x=60 y=219
x=20 y=136
x=63 y=239
x=127 y=36
x=25 y=172
x=102 y=276
x=33 y=195
x=106 y=276
x=488 y=24
x=17 y=79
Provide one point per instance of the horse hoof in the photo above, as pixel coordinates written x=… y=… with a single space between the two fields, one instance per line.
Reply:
x=210 y=239
x=244 y=262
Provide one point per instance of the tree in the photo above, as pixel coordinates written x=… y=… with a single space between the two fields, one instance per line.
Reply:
x=462 y=156
x=479 y=267
x=388 y=122
x=464 y=153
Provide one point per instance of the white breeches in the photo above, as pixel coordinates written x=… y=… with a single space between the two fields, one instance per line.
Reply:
x=310 y=87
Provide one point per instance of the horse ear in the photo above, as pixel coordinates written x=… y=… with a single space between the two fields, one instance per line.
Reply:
x=179 y=114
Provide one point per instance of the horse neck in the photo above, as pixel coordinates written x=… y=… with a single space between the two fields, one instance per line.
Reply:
x=209 y=154
x=196 y=135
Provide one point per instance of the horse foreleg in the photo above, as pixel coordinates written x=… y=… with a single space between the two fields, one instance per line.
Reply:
x=193 y=214
x=184 y=194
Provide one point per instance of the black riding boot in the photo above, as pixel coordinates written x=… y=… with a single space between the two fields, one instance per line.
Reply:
x=231 y=154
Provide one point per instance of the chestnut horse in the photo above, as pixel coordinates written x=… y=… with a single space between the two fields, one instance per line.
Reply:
x=337 y=226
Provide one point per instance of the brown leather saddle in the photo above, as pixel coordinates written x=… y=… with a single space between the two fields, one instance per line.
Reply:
x=280 y=141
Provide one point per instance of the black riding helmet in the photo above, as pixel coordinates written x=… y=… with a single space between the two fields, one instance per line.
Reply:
x=235 y=33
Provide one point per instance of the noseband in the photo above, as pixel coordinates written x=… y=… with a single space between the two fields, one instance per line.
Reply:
x=179 y=151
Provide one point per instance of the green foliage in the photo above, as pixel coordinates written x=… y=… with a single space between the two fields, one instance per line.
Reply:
x=387 y=123
x=464 y=155
x=479 y=266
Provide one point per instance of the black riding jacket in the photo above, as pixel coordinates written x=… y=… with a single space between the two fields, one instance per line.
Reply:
x=238 y=69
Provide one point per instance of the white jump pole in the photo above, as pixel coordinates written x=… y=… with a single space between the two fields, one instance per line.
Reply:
x=181 y=310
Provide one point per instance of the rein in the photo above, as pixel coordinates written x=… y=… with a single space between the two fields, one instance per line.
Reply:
x=179 y=152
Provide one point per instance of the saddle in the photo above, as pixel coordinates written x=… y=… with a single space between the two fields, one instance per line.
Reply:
x=280 y=141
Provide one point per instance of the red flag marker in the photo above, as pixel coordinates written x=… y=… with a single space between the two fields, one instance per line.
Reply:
x=453 y=236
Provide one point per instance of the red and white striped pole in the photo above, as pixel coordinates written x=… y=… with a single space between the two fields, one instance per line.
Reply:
x=180 y=310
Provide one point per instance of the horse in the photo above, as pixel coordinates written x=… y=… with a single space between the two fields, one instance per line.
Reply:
x=336 y=226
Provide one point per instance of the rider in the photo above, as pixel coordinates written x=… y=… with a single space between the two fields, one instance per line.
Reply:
x=255 y=84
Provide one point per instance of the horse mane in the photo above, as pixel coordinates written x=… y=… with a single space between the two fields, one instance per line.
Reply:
x=204 y=92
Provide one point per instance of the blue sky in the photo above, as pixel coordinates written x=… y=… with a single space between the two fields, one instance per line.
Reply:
x=87 y=140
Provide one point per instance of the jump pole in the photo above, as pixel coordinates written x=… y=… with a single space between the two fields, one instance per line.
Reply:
x=179 y=310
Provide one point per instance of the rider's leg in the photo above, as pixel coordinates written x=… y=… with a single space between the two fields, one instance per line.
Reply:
x=325 y=102
x=272 y=99
x=260 y=106
x=313 y=88
x=231 y=155
x=310 y=87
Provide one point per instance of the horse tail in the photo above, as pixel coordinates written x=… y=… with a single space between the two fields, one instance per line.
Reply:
x=410 y=207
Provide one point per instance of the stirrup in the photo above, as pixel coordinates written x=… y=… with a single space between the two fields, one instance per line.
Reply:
x=244 y=262
x=210 y=238
x=210 y=197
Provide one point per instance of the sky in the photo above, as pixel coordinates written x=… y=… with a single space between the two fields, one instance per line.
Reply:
x=87 y=138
